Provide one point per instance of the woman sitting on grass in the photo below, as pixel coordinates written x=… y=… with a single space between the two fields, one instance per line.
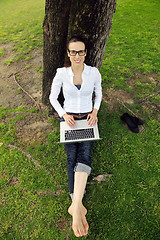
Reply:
x=78 y=82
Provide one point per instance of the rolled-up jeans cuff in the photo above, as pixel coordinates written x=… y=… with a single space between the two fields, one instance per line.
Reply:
x=81 y=167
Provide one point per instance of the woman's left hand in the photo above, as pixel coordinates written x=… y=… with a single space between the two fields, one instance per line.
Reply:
x=92 y=117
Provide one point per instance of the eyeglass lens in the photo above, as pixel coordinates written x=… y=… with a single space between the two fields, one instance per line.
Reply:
x=74 y=52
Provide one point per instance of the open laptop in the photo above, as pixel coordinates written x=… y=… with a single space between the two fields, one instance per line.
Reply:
x=81 y=131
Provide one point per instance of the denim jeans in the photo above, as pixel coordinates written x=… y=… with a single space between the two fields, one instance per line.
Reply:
x=78 y=158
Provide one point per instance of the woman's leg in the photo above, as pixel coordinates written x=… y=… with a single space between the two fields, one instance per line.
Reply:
x=71 y=149
x=84 y=157
x=77 y=210
x=82 y=170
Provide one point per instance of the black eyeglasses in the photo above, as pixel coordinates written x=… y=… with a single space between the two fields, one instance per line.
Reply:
x=74 y=52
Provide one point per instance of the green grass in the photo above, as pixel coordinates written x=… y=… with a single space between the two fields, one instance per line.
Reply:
x=34 y=197
x=126 y=206
x=21 y=25
x=134 y=44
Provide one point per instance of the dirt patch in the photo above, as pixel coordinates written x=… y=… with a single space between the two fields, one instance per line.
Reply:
x=121 y=95
x=113 y=96
x=33 y=128
x=144 y=78
x=63 y=223
x=28 y=77
x=48 y=192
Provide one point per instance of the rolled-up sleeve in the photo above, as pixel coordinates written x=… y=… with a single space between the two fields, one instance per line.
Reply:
x=55 y=90
x=97 y=89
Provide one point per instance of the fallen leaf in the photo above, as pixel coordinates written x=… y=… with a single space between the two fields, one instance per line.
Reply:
x=102 y=178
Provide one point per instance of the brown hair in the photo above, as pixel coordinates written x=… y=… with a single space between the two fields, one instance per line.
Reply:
x=73 y=39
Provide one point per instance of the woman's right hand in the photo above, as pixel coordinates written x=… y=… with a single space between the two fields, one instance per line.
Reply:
x=69 y=119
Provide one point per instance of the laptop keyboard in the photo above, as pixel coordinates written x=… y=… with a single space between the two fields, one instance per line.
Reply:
x=79 y=134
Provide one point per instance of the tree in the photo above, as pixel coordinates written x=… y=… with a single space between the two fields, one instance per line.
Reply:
x=63 y=19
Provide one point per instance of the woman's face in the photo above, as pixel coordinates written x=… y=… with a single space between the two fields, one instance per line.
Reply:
x=79 y=58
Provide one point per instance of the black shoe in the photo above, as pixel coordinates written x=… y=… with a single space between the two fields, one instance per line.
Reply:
x=131 y=123
x=137 y=120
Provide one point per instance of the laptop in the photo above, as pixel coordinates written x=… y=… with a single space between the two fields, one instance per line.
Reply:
x=80 y=132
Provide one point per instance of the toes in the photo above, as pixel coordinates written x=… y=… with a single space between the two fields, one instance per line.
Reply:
x=75 y=230
x=80 y=230
x=79 y=225
x=85 y=225
x=82 y=233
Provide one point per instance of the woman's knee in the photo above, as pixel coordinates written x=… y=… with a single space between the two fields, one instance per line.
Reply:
x=81 y=167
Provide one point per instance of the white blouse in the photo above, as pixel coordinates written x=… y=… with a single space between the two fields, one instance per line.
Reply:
x=76 y=101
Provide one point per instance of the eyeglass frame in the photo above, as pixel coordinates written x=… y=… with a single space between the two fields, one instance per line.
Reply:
x=77 y=52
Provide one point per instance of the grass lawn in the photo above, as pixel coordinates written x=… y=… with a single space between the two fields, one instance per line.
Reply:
x=21 y=24
x=33 y=178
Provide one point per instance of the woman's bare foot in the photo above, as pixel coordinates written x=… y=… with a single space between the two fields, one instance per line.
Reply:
x=79 y=224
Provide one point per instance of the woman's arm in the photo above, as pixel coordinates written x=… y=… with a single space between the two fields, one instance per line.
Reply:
x=92 y=117
x=55 y=90
x=97 y=90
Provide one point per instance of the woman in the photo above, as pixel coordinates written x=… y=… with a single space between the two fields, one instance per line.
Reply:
x=78 y=82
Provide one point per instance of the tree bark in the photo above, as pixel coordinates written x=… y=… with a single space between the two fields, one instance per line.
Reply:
x=92 y=19
x=63 y=19
x=55 y=31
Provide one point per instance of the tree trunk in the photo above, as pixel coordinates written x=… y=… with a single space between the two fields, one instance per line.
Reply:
x=92 y=19
x=63 y=19
x=55 y=31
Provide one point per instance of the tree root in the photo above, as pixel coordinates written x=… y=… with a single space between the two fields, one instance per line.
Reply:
x=35 y=102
